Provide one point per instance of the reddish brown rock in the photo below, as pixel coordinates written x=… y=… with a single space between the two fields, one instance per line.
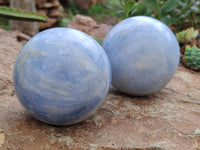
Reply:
x=54 y=1
x=20 y=36
x=4 y=2
x=89 y=26
x=42 y=11
x=166 y=120
x=40 y=3
x=51 y=22
x=49 y=5
x=84 y=23
x=55 y=12
x=101 y=31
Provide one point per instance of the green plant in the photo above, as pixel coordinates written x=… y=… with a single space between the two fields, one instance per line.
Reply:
x=187 y=35
x=171 y=12
x=113 y=4
x=11 y=13
x=100 y=41
x=192 y=57
x=64 y=21
x=99 y=11
x=4 y=23
x=72 y=9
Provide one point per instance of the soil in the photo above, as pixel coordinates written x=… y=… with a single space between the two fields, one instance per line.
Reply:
x=166 y=120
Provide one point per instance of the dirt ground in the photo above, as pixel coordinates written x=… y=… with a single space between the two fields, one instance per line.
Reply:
x=166 y=120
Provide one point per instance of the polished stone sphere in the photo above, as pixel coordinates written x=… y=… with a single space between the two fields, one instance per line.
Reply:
x=144 y=55
x=61 y=76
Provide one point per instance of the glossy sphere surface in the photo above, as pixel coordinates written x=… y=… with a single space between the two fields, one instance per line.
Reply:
x=61 y=76
x=144 y=55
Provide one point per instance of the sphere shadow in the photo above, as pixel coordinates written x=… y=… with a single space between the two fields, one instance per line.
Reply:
x=143 y=101
x=32 y=122
x=122 y=94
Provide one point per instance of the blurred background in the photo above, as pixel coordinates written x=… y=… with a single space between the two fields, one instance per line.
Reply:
x=178 y=14
x=97 y=17
x=61 y=13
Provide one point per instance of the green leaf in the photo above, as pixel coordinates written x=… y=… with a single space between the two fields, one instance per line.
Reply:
x=151 y=4
x=128 y=7
x=65 y=21
x=141 y=8
x=4 y=23
x=168 y=20
x=100 y=41
x=165 y=20
x=182 y=16
x=195 y=9
x=169 y=6
x=17 y=14
x=183 y=4
x=148 y=12
x=134 y=11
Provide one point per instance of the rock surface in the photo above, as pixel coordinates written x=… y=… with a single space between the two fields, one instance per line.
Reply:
x=166 y=120
x=52 y=9
x=90 y=26
x=51 y=22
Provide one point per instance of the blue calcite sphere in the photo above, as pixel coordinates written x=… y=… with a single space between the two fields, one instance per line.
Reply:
x=61 y=76
x=144 y=55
